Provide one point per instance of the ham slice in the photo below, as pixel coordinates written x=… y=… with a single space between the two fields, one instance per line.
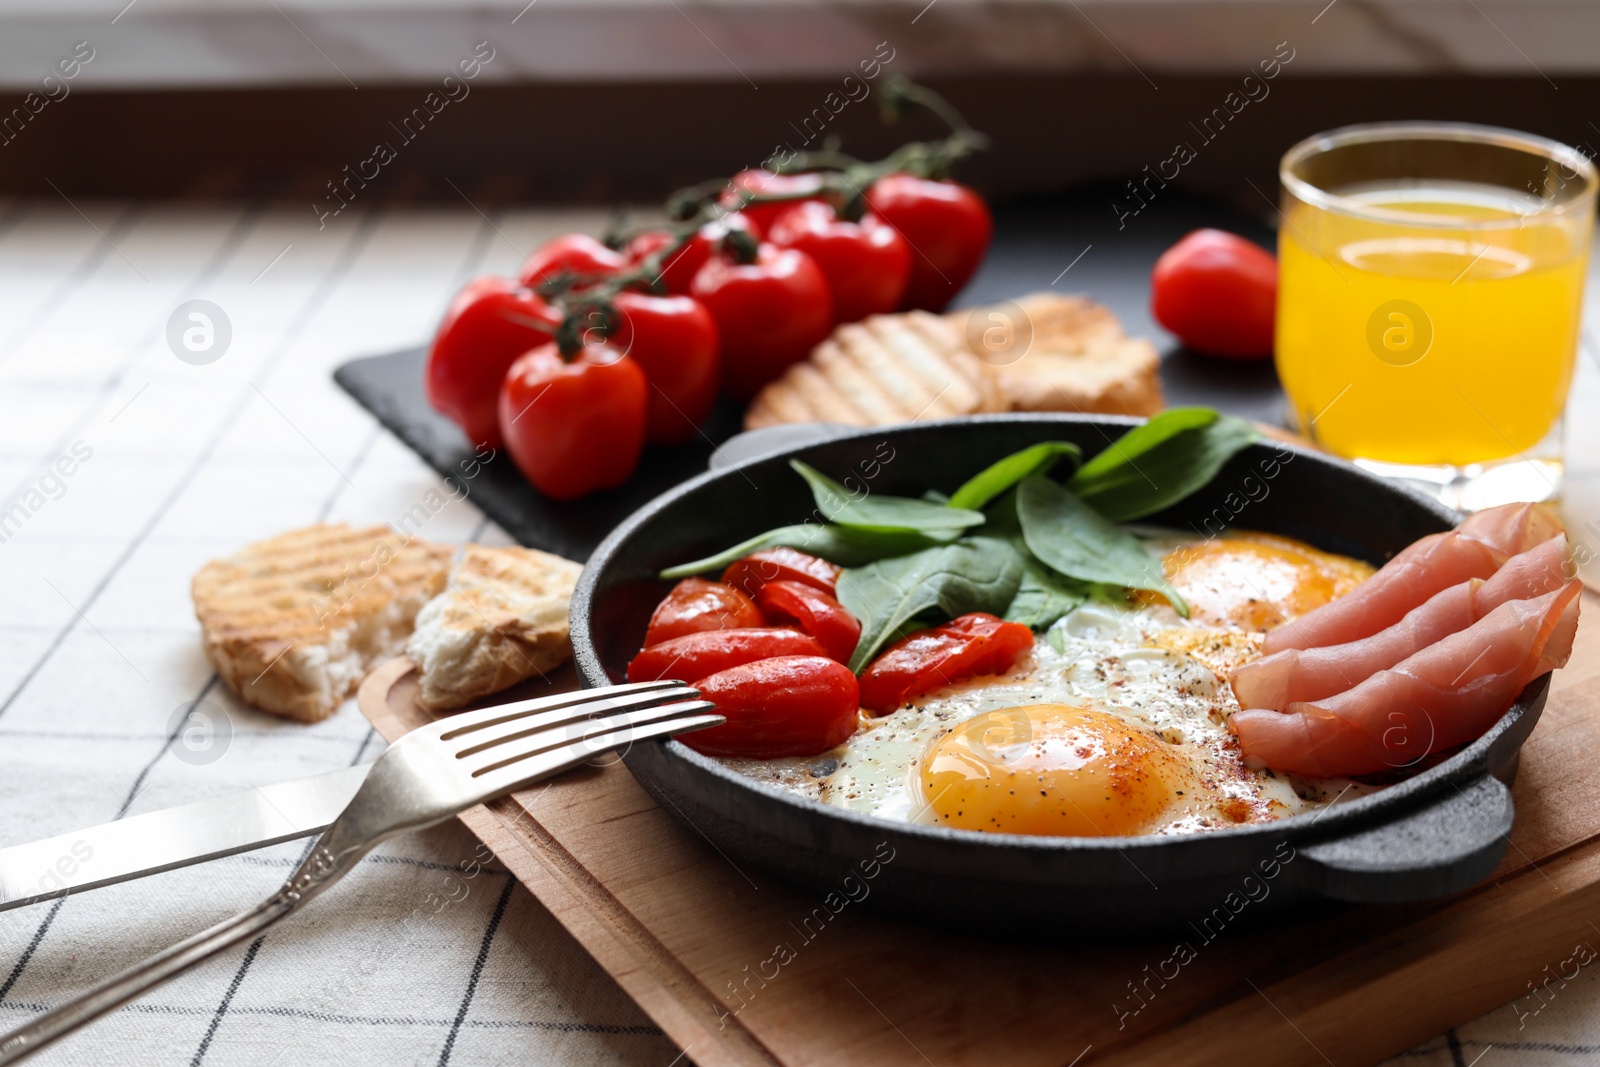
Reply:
x=1475 y=549
x=1295 y=675
x=1441 y=696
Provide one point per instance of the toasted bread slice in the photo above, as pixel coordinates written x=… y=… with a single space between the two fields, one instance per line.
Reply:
x=882 y=370
x=292 y=623
x=501 y=618
x=1075 y=358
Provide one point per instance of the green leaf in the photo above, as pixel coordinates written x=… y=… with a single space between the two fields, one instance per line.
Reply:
x=1076 y=540
x=1154 y=466
x=972 y=574
x=838 y=544
x=1043 y=596
x=995 y=479
x=874 y=511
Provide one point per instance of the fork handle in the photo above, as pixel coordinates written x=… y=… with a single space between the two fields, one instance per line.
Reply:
x=320 y=869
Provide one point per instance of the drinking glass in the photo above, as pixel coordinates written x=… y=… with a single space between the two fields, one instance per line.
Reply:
x=1430 y=285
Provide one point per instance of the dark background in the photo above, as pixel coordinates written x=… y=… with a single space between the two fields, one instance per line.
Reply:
x=637 y=141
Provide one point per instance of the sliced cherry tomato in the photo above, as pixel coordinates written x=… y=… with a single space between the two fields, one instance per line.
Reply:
x=782 y=564
x=709 y=651
x=770 y=313
x=816 y=612
x=574 y=427
x=867 y=263
x=921 y=662
x=678 y=272
x=760 y=182
x=789 y=706
x=1218 y=292
x=948 y=227
x=573 y=253
x=488 y=325
x=674 y=341
x=695 y=605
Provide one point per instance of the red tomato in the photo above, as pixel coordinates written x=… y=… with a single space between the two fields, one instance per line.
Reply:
x=488 y=325
x=574 y=427
x=816 y=612
x=709 y=651
x=674 y=341
x=695 y=605
x=948 y=227
x=761 y=182
x=782 y=564
x=789 y=706
x=770 y=313
x=867 y=263
x=678 y=272
x=1218 y=292
x=921 y=662
x=573 y=253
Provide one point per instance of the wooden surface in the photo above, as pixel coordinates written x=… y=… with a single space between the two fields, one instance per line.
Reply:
x=692 y=936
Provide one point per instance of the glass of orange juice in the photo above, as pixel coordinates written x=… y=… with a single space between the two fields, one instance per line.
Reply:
x=1430 y=285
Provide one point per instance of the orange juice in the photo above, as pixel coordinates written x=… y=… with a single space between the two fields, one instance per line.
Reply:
x=1438 y=326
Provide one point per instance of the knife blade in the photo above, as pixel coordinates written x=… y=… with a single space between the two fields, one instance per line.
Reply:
x=174 y=837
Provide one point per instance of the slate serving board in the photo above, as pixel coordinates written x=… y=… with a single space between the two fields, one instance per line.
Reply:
x=1071 y=244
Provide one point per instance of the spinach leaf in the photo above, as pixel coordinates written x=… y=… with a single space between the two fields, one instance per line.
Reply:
x=972 y=574
x=1158 y=464
x=1076 y=540
x=1043 y=596
x=837 y=544
x=995 y=479
x=874 y=511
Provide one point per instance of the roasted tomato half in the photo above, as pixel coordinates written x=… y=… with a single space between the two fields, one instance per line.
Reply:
x=710 y=651
x=964 y=647
x=782 y=564
x=695 y=605
x=815 y=612
x=789 y=706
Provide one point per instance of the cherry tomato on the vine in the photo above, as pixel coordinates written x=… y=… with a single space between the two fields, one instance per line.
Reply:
x=574 y=427
x=867 y=263
x=948 y=227
x=762 y=182
x=572 y=253
x=788 y=706
x=678 y=271
x=674 y=341
x=695 y=605
x=489 y=324
x=1218 y=292
x=769 y=313
x=921 y=662
x=696 y=655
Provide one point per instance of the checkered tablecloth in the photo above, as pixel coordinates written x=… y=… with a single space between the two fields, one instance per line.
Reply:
x=428 y=953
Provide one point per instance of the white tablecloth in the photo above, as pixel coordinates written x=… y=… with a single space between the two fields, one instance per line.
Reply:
x=423 y=955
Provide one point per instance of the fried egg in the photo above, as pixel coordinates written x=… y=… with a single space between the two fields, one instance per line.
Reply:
x=1114 y=724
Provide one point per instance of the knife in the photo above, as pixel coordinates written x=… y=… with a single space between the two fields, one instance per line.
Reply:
x=174 y=837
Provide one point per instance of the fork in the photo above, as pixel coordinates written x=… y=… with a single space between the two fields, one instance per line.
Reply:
x=426 y=777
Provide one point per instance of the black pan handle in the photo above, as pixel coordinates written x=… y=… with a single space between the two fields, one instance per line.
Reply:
x=1438 y=849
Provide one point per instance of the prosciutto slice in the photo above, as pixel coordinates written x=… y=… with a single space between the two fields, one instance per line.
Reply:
x=1297 y=675
x=1475 y=549
x=1441 y=696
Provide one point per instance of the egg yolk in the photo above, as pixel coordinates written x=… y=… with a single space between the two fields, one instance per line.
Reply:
x=1052 y=769
x=1258 y=581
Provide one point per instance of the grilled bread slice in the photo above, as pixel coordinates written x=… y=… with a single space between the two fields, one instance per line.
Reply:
x=292 y=623
x=1067 y=353
x=501 y=618
x=882 y=370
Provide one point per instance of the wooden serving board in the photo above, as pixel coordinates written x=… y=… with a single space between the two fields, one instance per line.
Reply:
x=739 y=969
